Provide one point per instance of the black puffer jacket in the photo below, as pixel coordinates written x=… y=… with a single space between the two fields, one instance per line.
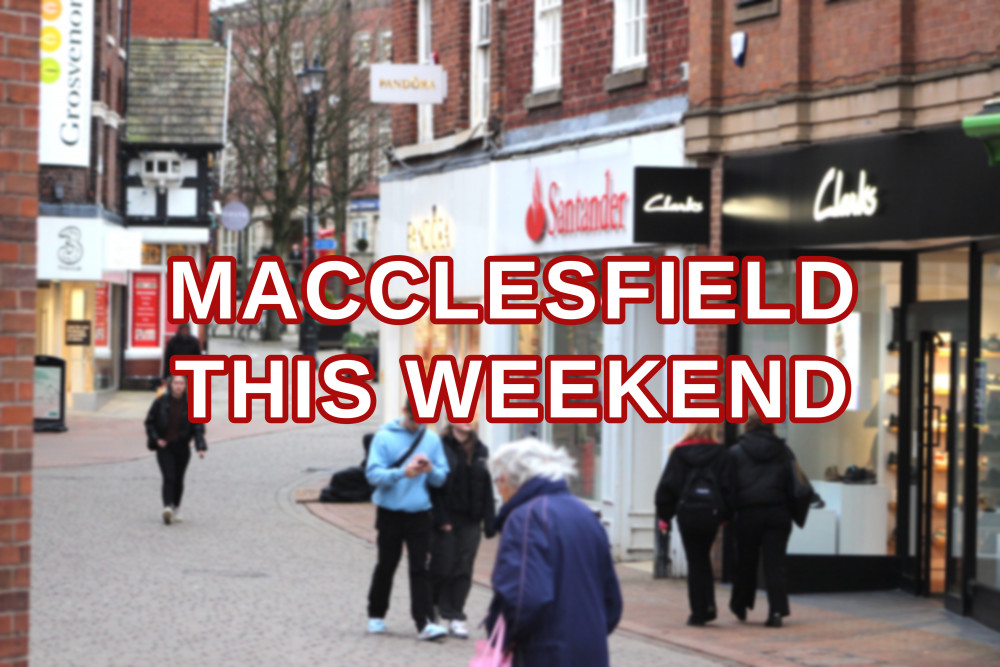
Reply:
x=179 y=346
x=469 y=487
x=760 y=469
x=685 y=457
x=157 y=421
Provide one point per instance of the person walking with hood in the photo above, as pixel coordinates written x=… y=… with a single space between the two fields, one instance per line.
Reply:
x=763 y=521
x=695 y=488
x=554 y=581
x=169 y=432
x=403 y=461
x=463 y=508
x=180 y=344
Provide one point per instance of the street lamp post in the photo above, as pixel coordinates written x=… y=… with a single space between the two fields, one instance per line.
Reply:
x=311 y=80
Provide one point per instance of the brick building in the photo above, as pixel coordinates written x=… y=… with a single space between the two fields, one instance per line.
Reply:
x=551 y=108
x=19 y=66
x=836 y=128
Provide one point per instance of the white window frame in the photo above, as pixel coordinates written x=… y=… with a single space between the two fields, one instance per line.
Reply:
x=385 y=46
x=630 y=34
x=546 y=70
x=479 y=89
x=363 y=48
x=425 y=31
x=298 y=56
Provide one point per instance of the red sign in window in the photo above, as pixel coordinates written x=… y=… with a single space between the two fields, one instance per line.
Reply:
x=146 y=310
x=101 y=323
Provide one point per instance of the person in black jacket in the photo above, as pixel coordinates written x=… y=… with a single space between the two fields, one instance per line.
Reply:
x=181 y=343
x=695 y=488
x=763 y=520
x=463 y=508
x=169 y=433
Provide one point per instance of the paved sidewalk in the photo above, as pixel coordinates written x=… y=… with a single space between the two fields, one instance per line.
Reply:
x=890 y=628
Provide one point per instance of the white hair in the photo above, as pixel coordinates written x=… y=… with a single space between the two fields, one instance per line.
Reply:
x=526 y=459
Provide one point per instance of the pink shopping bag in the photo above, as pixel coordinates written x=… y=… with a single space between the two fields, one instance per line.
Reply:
x=489 y=652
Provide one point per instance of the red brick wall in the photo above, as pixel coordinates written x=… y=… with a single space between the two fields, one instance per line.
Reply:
x=175 y=19
x=816 y=45
x=587 y=58
x=404 y=50
x=19 y=26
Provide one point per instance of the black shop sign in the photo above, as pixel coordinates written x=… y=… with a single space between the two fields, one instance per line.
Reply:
x=902 y=187
x=78 y=332
x=672 y=205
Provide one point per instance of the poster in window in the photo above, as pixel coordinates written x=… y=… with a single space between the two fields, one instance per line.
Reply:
x=146 y=310
x=48 y=392
x=843 y=343
x=101 y=323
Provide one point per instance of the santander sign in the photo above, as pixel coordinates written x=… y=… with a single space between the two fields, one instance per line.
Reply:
x=554 y=213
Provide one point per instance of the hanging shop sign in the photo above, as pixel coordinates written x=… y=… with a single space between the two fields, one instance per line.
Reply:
x=146 y=310
x=672 y=205
x=70 y=248
x=901 y=187
x=66 y=69
x=408 y=84
x=102 y=322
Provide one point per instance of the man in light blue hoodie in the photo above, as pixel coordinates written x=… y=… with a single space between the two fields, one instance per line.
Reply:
x=403 y=460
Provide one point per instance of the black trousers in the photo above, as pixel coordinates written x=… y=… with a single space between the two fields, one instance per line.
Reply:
x=698 y=537
x=762 y=532
x=395 y=529
x=173 y=461
x=452 y=560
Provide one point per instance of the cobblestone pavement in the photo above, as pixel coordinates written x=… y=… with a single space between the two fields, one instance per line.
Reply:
x=249 y=578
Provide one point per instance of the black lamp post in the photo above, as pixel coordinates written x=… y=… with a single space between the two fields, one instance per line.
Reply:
x=310 y=83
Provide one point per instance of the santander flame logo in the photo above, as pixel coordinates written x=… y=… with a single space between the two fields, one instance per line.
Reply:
x=535 y=221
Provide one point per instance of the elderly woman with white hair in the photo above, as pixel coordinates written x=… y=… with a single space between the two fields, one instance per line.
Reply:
x=554 y=580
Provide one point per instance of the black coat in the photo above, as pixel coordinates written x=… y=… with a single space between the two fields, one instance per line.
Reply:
x=177 y=346
x=469 y=488
x=685 y=457
x=761 y=473
x=158 y=419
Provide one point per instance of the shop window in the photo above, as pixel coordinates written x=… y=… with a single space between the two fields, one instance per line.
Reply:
x=298 y=56
x=385 y=46
x=943 y=275
x=152 y=254
x=988 y=519
x=852 y=459
x=458 y=340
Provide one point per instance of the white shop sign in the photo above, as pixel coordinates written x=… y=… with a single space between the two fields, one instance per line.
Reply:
x=434 y=215
x=408 y=84
x=66 y=69
x=576 y=199
x=85 y=249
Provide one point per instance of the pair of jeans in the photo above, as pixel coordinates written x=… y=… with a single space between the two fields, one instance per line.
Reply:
x=173 y=461
x=762 y=532
x=394 y=530
x=452 y=560
x=698 y=537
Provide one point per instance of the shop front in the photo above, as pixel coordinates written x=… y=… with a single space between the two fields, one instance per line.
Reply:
x=910 y=474
x=627 y=196
x=443 y=214
x=80 y=306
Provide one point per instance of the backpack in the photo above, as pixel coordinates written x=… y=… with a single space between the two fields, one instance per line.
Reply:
x=701 y=500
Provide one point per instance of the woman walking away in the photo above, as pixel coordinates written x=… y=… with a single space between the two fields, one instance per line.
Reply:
x=763 y=522
x=462 y=508
x=169 y=433
x=695 y=488
x=554 y=581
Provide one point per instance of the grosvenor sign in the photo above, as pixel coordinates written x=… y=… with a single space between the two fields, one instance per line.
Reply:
x=65 y=74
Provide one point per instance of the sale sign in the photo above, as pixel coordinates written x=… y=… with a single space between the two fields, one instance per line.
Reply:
x=146 y=310
x=101 y=323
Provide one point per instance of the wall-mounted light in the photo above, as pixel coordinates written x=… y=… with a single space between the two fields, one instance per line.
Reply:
x=985 y=125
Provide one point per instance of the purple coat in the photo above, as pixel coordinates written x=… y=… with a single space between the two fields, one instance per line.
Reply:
x=554 y=579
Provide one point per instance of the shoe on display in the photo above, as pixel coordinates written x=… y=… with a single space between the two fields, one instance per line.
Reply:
x=940 y=538
x=941 y=500
x=458 y=629
x=168 y=515
x=431 y=632
x=832 y=474
x=893 y=461
x=376 y=626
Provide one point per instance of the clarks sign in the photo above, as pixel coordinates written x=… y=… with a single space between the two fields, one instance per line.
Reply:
x=833 y=202
x=672 y=205
x=66 y=41
x=408 y=84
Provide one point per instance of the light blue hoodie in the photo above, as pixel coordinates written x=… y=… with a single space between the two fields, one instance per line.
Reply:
x=393 y=490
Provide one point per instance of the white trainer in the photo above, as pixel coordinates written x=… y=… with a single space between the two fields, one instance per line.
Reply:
x=168 y=515
x=177 y=515
x=431 y=632
x=458 y=629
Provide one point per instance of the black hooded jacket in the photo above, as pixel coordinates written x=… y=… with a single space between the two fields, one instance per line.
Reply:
x=685 y=457
x=469 y=487
x=760 y=469
x=179 y=346
x=158 y=422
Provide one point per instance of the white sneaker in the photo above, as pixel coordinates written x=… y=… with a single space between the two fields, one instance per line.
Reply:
x=177 y=515
x=168 y=515
x=458 y=629
x=431 y=632
x=376 y=626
